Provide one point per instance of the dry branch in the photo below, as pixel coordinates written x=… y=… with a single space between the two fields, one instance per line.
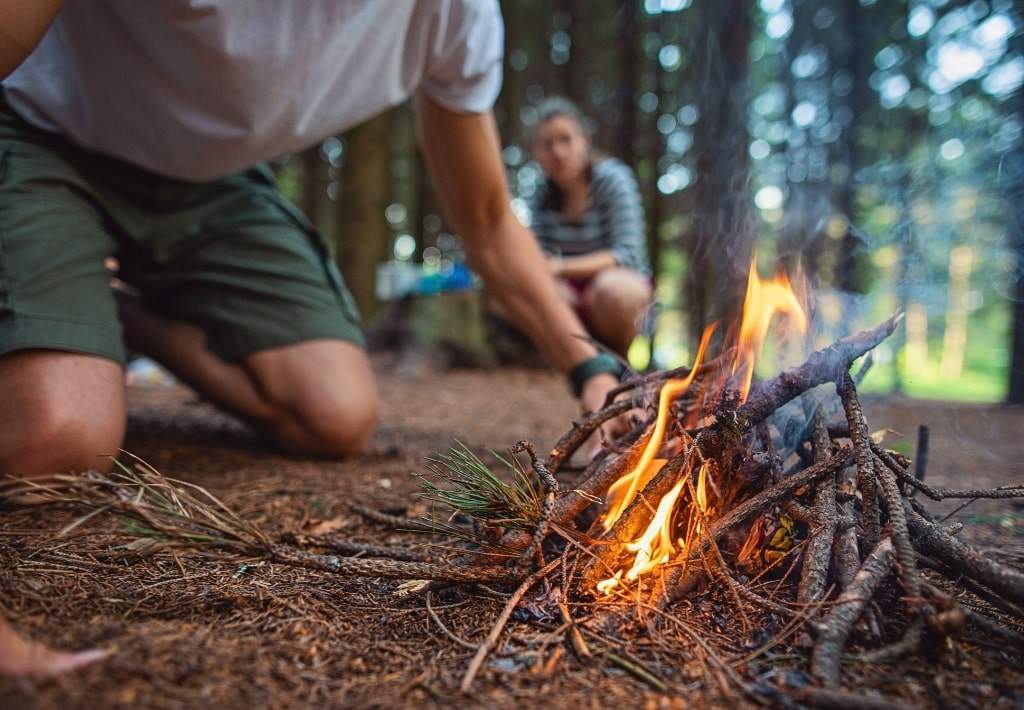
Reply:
x=835 y=628
x=861 y=439
x=582 y=429
x=393 y=569
x=352 y=547
x=573 y=501
x=822 y=366
x=893 y=463
x=499 y=625
x=818 y=553
x=929 y=539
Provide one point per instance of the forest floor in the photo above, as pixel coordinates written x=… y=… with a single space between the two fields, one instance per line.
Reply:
x=186 y=630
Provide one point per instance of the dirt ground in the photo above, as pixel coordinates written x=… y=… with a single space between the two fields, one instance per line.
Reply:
x=187 y=630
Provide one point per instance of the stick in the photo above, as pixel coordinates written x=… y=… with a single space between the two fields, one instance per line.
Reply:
x=352 y=547
x=931 y=540
x=394 y=521
x=835 y=628
x=905 y=555
x=862 y=453
x=823 y=366
x=818 y=554
x=444 y=629
x=550 y=484
x=582 y=429
x=636 y=515
x=893 y=464
x=503 y=617
x=921 y=457
x=684 y=371
x=393 y=569
x=572 y=502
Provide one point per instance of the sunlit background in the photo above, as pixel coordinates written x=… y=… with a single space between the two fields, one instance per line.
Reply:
x=876 y=144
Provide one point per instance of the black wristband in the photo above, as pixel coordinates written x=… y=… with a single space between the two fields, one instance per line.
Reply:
x=602 y=362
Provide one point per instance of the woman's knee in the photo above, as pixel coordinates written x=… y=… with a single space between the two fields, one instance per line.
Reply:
x=618 y=290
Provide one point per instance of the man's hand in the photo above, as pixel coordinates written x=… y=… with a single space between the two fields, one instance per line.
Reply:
x=595 y=391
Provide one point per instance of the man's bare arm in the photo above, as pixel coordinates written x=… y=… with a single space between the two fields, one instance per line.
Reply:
x=463 y=154
x=22 y=24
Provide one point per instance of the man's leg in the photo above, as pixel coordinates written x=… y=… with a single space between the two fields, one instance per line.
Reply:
x=316 y=397
x=64 y=412
x=614 y=304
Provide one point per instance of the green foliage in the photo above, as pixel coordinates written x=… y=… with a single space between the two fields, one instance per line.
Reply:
x=460 y=481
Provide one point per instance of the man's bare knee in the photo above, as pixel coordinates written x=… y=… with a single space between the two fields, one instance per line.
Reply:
x=340 y=429
x=321 y=395
x=70 y=413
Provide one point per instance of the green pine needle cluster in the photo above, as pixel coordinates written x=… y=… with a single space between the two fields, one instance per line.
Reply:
x=466 y=485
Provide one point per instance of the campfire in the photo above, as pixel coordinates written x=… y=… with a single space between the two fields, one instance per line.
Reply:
x=772 y=494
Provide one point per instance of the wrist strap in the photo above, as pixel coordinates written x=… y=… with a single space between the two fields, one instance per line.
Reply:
x=602 y=362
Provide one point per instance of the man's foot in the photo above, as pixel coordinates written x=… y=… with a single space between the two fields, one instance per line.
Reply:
x=21 y=657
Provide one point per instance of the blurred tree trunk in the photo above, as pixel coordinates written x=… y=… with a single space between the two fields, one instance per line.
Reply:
x=363 y=232
x=1014 y=172
x=857 y=60
x=629 y=83
x=574 y=85
x=721 y=239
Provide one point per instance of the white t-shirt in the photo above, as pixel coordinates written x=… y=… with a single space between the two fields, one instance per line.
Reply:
x=198 y=89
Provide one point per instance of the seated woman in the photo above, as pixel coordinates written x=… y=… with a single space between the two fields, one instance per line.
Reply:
x=589 y=218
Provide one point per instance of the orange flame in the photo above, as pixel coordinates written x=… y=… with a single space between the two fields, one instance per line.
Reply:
x=764 y=299
x=624 y=490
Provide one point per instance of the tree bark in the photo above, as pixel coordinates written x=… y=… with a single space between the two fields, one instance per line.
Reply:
x=363 y=232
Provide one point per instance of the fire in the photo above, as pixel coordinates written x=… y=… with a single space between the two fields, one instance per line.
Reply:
x=765 y=298
x=655 y=546
x=624 y=490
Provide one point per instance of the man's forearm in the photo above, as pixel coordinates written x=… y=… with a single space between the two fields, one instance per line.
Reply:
x=22 y=24
x=513 y=267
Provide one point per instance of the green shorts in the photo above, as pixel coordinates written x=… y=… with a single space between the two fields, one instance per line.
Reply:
x=232 y=256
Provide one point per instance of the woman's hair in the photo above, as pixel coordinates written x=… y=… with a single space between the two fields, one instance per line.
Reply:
x=553 y=107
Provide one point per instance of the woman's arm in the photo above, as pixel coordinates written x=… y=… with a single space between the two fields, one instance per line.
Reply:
x=583 y=266
x=22 y=24
x=463 y=155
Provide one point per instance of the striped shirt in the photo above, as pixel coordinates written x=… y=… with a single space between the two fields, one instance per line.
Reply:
x=613 y=220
